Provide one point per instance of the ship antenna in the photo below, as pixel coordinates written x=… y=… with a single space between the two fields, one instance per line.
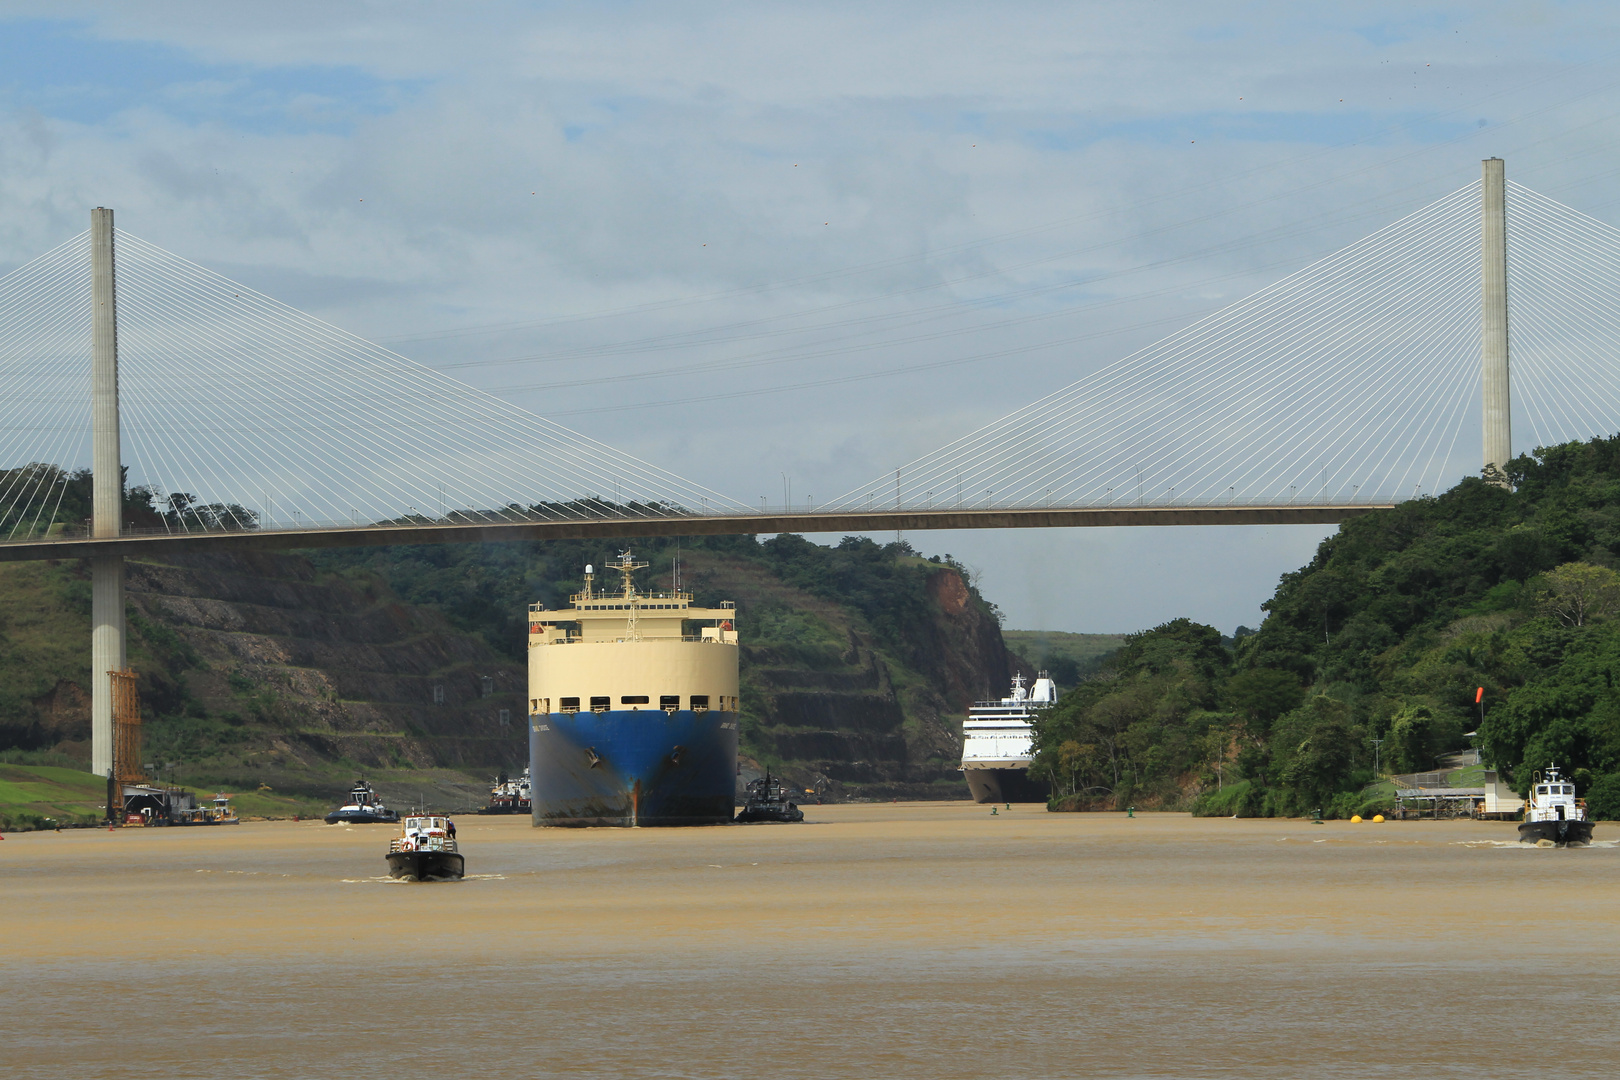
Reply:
x=627 y=566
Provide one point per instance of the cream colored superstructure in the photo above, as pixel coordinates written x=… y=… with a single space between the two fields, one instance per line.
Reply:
x=608 y=651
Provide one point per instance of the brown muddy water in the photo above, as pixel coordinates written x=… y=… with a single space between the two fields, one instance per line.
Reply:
x=920 y=940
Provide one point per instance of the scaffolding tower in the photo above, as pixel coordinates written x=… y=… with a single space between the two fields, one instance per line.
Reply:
x=126 y=742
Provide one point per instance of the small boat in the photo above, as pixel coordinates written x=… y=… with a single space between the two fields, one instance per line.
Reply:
x=766 y=800
x=1555 y=815
x=363 y=808
x=426 y=851
x=221 y=813
x=509 y=796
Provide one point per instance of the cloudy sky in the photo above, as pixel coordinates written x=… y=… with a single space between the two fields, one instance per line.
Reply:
x=768 y=244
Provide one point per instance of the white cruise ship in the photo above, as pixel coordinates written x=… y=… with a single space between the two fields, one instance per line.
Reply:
x=996 y=740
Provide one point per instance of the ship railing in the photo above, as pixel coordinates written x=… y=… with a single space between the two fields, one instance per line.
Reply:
x=575 y=640
x=609 y=594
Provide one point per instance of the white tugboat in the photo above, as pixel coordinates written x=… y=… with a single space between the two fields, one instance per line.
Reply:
x=426 y=851
x=996 y=744
x=509 y=795
x=1555 y=815
x=363 y=808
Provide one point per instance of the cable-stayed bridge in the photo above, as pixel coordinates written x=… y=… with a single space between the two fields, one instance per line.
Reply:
x=1376 y=374
x=1352 y=383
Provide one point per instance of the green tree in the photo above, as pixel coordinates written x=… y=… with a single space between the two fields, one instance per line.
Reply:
x=1578 y=593
x=1411 y=740
x=1260 y=695
x=1314 y=750
x=1603 y=798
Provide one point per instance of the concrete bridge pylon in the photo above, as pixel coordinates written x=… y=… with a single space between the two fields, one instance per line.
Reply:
x=107 y=649
x=1494 y=374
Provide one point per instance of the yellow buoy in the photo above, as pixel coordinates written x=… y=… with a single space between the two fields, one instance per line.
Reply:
x=1378 y=817
x=1355 y=819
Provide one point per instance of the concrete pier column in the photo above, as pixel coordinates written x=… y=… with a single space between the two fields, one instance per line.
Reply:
x=1494 y=330
x=107 y=501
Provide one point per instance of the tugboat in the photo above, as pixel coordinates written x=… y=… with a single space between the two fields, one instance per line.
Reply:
x=766 y=800
x=1555 y=815
x=508 y=796
x=222 y=812
x=426 y=851
x=363 y=808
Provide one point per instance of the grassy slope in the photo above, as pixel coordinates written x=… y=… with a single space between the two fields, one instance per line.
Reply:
x=28 y=792
x=44 y=639
x=1067 y=654
x=45 y=789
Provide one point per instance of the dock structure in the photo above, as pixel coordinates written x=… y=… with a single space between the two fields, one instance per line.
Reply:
x=1436 y=802
x=1428 y=795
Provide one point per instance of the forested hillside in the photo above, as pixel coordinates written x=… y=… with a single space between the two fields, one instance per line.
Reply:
x=296 y=670
x=858 y=660
x=1387 y=634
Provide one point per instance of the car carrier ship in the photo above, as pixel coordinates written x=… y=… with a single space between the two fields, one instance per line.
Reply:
x=632 y=715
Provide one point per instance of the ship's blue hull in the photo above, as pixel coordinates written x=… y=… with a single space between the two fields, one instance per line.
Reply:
x=633 y=767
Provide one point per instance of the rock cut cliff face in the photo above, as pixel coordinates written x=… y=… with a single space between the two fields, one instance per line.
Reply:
x=836 y=709
x=325 y=667
x=858 y=663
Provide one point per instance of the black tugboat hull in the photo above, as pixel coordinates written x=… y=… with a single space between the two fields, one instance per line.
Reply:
x=786 y=815
x=1559 y=832
x=362 y=817
x=426 y=865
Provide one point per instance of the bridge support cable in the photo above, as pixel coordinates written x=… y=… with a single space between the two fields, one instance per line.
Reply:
x=1334 y=384
x=1351 y=381
x=45 y=368
x=240 y=412
x=1563 y=278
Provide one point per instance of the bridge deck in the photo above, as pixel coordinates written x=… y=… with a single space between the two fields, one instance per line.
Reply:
x=688 y=525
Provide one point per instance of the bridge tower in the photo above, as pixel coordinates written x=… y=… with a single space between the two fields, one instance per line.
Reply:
x=1494 y=331
x=107 y=500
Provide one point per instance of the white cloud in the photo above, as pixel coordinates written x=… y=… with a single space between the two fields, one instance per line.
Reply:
x=687 y=161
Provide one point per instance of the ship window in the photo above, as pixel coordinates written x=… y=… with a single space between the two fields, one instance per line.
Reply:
x=602 y=702
x=633 y=699
x=700 y=701
x=568 y=704
x=1542 y=790
x=669 y=701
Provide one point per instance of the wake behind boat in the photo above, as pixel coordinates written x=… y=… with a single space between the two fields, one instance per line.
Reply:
x=1555 y=815
x=363 y=808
